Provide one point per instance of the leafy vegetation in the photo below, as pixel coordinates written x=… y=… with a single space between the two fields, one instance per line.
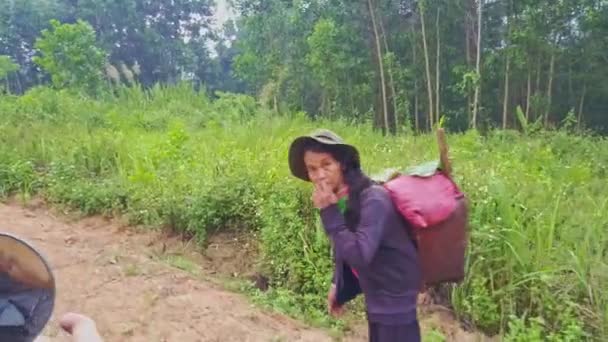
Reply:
x=140 y=46
x=172 y=157
x=70 y=56
x=401 y=64
x=147 y=120
x=6 y=67
x=404 y=64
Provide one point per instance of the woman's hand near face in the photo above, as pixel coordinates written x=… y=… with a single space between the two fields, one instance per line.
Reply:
x=323 y=196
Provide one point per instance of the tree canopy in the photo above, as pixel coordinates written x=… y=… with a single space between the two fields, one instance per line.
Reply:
x=401 y=64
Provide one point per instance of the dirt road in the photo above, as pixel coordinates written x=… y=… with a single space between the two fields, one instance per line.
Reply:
x=110 y=273
x=127 y=281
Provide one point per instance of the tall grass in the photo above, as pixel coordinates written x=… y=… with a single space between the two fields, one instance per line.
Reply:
x=537 y=265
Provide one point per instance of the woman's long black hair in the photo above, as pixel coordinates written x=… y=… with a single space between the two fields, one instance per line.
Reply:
x=354 y=177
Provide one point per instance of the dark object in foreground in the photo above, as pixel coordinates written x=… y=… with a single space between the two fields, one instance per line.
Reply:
x=27 y=290
x=442 y=247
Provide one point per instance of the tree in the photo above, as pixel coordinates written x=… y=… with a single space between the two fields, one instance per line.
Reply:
x=328 y=60
x=372 y=14
x=68 y=52
x=477 y=66
x=7 y=66
x=429 y=88
x=20 y=24
x=160 y=36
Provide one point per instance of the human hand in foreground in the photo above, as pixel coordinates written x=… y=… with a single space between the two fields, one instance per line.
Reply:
x=80 y=327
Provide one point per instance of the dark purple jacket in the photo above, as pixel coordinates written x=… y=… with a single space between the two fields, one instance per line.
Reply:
x=383 y=254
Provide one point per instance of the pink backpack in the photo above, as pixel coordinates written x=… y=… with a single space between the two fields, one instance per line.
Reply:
x=437 y=211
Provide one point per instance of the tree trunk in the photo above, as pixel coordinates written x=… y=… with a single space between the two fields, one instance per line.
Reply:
x=416 y=108
x=416 y=124
x=467 y=36
x=391 y=80
x=528 y=95
x=478 y=66
x=468 y=22
x=505 y=105
x=537 y=88
x=550 y=88
x=350 y=95
x=428 y=70
x=19 y=83
x=581 y=105
x=437 y=98
x=380 y=65
x=538 y=69
x=571 y=100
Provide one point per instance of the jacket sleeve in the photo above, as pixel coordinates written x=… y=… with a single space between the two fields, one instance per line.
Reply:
x=359 y=247
x=335 y=269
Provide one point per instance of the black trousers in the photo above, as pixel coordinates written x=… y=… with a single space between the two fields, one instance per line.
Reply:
x=394 y=333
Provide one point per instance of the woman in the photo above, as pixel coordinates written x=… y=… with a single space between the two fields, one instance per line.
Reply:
x=373 y=253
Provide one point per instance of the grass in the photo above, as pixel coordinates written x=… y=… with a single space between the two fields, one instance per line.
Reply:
x=172 y=158
x=182 y=263
x=433 y=336
x=132 y=270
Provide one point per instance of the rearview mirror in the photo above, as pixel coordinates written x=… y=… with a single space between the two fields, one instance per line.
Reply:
x=27 y=290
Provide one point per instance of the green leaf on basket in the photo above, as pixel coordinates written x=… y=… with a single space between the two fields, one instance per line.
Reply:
x=424 y=170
